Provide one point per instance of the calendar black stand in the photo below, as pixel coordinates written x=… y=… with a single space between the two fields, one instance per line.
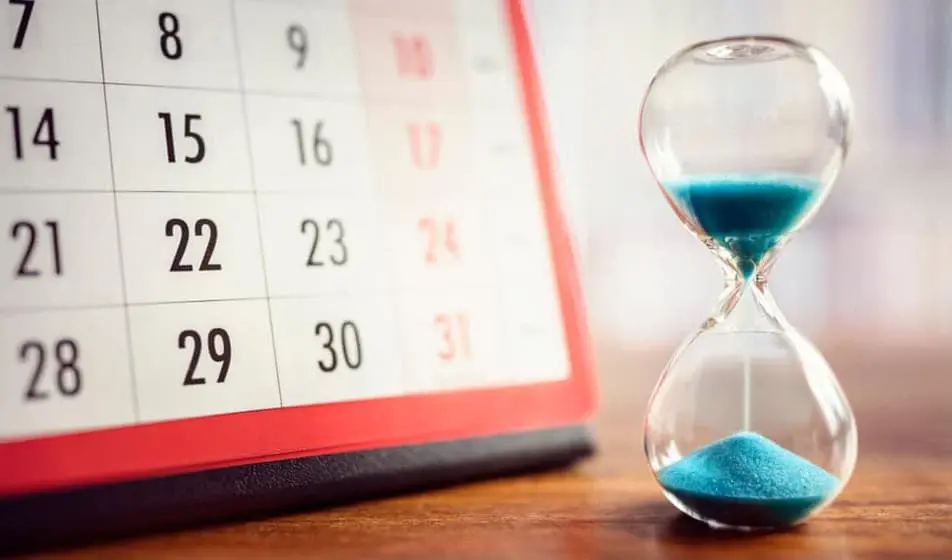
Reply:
x=85 y=515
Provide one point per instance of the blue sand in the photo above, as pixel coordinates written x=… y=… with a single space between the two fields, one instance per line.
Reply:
x=747 y=215
x=747 y=480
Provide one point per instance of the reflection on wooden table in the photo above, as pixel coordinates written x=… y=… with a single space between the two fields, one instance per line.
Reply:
x=898 y=503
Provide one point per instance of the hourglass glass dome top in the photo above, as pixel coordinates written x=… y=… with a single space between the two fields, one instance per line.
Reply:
x=745 y=136
x=744 y=49
x=746 y=104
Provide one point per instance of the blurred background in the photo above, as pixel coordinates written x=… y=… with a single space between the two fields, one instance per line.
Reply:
x=875 y=266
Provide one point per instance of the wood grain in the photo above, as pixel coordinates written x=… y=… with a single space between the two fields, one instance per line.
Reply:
x=897 y=505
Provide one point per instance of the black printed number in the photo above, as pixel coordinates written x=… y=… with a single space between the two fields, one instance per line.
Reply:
x=322 y=150
x=169 y=42
x=29 y=233
x=348 y=346
x=179 y=227
x=24 y=21
x=219 y=350
x=297 y=40
x=43 y=135
x=68 y=377
x=335 y=229
x=199 y=154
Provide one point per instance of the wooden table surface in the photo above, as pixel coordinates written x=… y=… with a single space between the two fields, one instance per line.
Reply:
x=897 y=505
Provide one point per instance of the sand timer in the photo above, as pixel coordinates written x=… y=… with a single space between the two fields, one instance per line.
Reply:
x=747 y=428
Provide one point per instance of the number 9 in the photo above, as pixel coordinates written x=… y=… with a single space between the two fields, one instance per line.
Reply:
x=297 y=40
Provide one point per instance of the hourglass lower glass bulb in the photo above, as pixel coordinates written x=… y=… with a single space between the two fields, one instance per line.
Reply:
x=747 y=427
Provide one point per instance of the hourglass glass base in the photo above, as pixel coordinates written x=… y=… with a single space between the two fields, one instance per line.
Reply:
x=745 y=516
x=747 y=482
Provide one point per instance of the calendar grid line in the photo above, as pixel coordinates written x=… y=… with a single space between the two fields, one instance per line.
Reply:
x=437 y=190
x=363 y=99
x=115 y=206
x=145 y=304
x=251 y=164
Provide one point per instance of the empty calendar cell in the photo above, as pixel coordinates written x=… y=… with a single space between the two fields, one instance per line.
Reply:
x=487 y=59
x=316 y=244
x=534 y=351
x=297 y=48
x=64 y=371
x=50 y=39
x=501 y=142
x=308 y=145
x=187 y=247
x=480 y=13
x=449 y=339
x=420 y=148
x=169 y=43
x=327 y=7
x=425 y=10
x=438 y=243
x=200 y=359
x=53 y=137
x=178 y=140
x=410 y=60
x=514 y=200
x=336 y=349
x=530 y=318
x=59 y=251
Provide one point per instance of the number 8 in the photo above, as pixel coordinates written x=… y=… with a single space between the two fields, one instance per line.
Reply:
x=169 y=25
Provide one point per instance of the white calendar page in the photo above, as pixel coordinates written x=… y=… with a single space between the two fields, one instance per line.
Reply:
x=235 y=205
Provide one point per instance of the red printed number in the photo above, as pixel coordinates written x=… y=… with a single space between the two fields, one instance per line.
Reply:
x=425 y=140
x=441 y=241
x=414 y=57
x=454 y=331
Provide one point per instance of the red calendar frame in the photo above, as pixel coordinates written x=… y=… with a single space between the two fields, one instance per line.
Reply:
x=182 y=446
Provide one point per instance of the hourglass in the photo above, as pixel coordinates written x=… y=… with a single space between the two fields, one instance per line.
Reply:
x=747 y=427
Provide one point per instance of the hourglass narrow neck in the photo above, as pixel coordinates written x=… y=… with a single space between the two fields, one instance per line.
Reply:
x=746 y=305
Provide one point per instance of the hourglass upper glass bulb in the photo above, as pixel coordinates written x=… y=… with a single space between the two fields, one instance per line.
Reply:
x=748 y=427
x=765 y=120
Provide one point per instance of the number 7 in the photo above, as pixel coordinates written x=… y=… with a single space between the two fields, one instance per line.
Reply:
x=24 y=20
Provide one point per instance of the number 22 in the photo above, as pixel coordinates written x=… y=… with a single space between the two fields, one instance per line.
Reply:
x=201 y=226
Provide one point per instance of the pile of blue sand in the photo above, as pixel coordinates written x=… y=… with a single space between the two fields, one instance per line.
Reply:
x=747 y=215
x=746 y=480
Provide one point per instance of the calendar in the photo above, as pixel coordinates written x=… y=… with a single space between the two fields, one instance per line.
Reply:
x=243 y=231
